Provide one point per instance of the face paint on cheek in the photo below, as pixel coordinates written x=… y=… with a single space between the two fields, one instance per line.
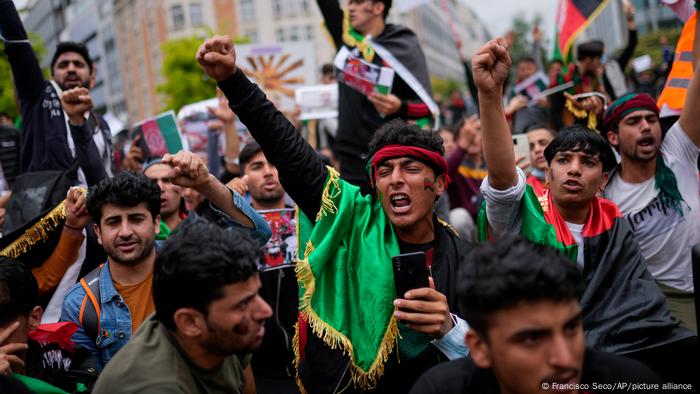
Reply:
x=428 y=185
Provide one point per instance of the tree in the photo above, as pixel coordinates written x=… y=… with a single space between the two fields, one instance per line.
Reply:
x=185 y=82
x=520 y=37
x=8 y=99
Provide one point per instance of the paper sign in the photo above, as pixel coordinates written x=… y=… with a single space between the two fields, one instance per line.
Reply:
x=280 y=248
x=642 y=63
x=533 y=86
x=318 y=102
x=363 y=76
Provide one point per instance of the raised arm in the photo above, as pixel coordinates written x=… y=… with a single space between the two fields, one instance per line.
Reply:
x=26 y=72
x=301 y=170
x=491 y=66
x=690 y=117
x=333 y=17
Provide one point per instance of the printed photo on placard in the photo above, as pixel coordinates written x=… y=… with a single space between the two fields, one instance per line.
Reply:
x=280 y=249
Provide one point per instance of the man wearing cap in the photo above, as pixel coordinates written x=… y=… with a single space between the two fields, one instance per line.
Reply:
x=657 y=189
x=58 y=125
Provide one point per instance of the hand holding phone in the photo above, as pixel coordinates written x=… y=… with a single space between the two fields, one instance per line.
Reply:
x=410 y=272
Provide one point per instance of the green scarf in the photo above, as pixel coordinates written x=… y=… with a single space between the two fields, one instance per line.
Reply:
x=37 y=386
x=164 y=231
x=665 y=182
x=346 y=287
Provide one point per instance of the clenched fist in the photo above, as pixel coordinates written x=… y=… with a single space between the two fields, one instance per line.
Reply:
x=217 y=57
x=491 y=65
x=76 y=102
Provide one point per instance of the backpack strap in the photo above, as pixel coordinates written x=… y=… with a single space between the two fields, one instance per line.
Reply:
x=89 y=317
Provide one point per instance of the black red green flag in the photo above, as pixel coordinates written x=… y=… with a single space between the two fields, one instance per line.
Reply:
x=573 y=16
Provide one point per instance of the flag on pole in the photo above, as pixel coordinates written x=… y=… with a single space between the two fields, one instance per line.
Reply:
x=573 y=16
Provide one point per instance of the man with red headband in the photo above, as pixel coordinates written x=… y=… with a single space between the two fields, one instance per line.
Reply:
x=657 y=189
x=354 y=329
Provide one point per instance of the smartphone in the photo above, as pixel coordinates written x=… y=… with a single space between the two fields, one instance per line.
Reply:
x=410 y=272
x=521 y=145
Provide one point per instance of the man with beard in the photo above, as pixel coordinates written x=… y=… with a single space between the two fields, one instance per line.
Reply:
x=354 y=328
x=657 y=189
x=209 y=318
x=624 y=312
x=110 y=303
x=526 y=337
x=52 y=135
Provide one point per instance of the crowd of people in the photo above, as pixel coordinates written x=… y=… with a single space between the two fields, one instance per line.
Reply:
x=276 y=267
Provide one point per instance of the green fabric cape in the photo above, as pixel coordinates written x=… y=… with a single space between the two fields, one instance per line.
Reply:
x=346 y=288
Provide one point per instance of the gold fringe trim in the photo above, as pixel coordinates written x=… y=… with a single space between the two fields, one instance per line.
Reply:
x=38 y=232
x=448 y=226
x=582 y=113
x=332 y=337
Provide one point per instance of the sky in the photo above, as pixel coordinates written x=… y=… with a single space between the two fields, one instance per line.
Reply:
x=498 y=14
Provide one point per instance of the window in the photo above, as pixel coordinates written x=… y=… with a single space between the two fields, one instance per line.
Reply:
x=277 y=8
x=247 y=9
x=196 y=14
x=252 y=35
x=178 y=17
x=309 y=32
x=294 y=33
x=305 y=6
x=279 y=35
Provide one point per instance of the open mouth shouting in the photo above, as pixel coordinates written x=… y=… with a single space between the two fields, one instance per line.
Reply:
x=572 y=185
x=647 y=143
x=400 y=203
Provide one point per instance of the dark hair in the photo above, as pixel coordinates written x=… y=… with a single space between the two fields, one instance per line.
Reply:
x=249 y=150
x=71 y=46
x=398 y=132
x=580 y=138
x=538 y=126
x=328 y=69
x=196 y=261
x=19 y=292
x=499 y=275
x=127 y=189
x=387 y=6
x=526 y=59
x=593 y=48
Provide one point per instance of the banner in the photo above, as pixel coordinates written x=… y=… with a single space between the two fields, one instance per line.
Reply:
x=159 y=135
x=279 y=69
x=318 y=101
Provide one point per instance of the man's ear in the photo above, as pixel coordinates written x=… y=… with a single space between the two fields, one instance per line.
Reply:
x=156 y=222
x=93 y=76
x=98 y=233
x=604 y=182
x=440 y=184
x=378 y=8
x=189 y=322
x=613 y=139
x=35 y=317
x=547 y=174
x=478 y=349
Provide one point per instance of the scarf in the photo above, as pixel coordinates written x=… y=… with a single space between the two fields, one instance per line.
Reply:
x=346 y=287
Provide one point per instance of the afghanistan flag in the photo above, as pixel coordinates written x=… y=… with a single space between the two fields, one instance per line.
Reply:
x=573 y=16
x=623 y=309
x=159 y=135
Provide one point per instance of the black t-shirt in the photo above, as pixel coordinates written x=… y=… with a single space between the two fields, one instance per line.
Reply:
x=600 y=370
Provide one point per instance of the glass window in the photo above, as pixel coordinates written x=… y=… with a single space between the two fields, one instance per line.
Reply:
x=196 y=14
x=277 y=8
x=279 y=35
x=178 y=17
x=247 y=9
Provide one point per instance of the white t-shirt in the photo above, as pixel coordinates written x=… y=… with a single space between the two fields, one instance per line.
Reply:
x=503 y=211
x=665 y=235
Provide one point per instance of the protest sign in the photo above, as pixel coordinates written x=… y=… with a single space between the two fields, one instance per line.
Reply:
x=159 y=135
x=362 y=76
x=318 y=101
x=280 y=248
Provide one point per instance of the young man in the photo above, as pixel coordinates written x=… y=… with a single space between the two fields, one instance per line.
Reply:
x=112 y=301
x=360 y=115
x=624 y=312
x=349 y=238
x=199 y=340
x=526 y=336
x=58 y=125
x=538 y=137
x=170 y=198
x=36 y=357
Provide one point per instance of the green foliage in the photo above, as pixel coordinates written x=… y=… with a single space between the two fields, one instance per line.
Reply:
x=522 y=37
x=650 y=44
x=444 y=87
x=8 y=102
x=184 y=82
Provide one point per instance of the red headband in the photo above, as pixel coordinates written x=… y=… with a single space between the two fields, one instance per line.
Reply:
x=626 y=105
x=432 y=158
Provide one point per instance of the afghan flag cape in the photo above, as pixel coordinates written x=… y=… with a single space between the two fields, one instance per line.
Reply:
x=346 y=287
x=573 y=17
x=624 y=310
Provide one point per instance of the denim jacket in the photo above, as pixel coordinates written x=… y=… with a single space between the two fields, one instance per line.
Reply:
x=115 y=318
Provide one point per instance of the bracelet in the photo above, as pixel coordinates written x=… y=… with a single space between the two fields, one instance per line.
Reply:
x=72 y=228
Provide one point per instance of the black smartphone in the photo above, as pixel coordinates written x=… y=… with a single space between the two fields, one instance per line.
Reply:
x=410 y=272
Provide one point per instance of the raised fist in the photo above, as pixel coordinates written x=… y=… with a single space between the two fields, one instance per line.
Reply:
x=490 y=66
x=217 y=57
